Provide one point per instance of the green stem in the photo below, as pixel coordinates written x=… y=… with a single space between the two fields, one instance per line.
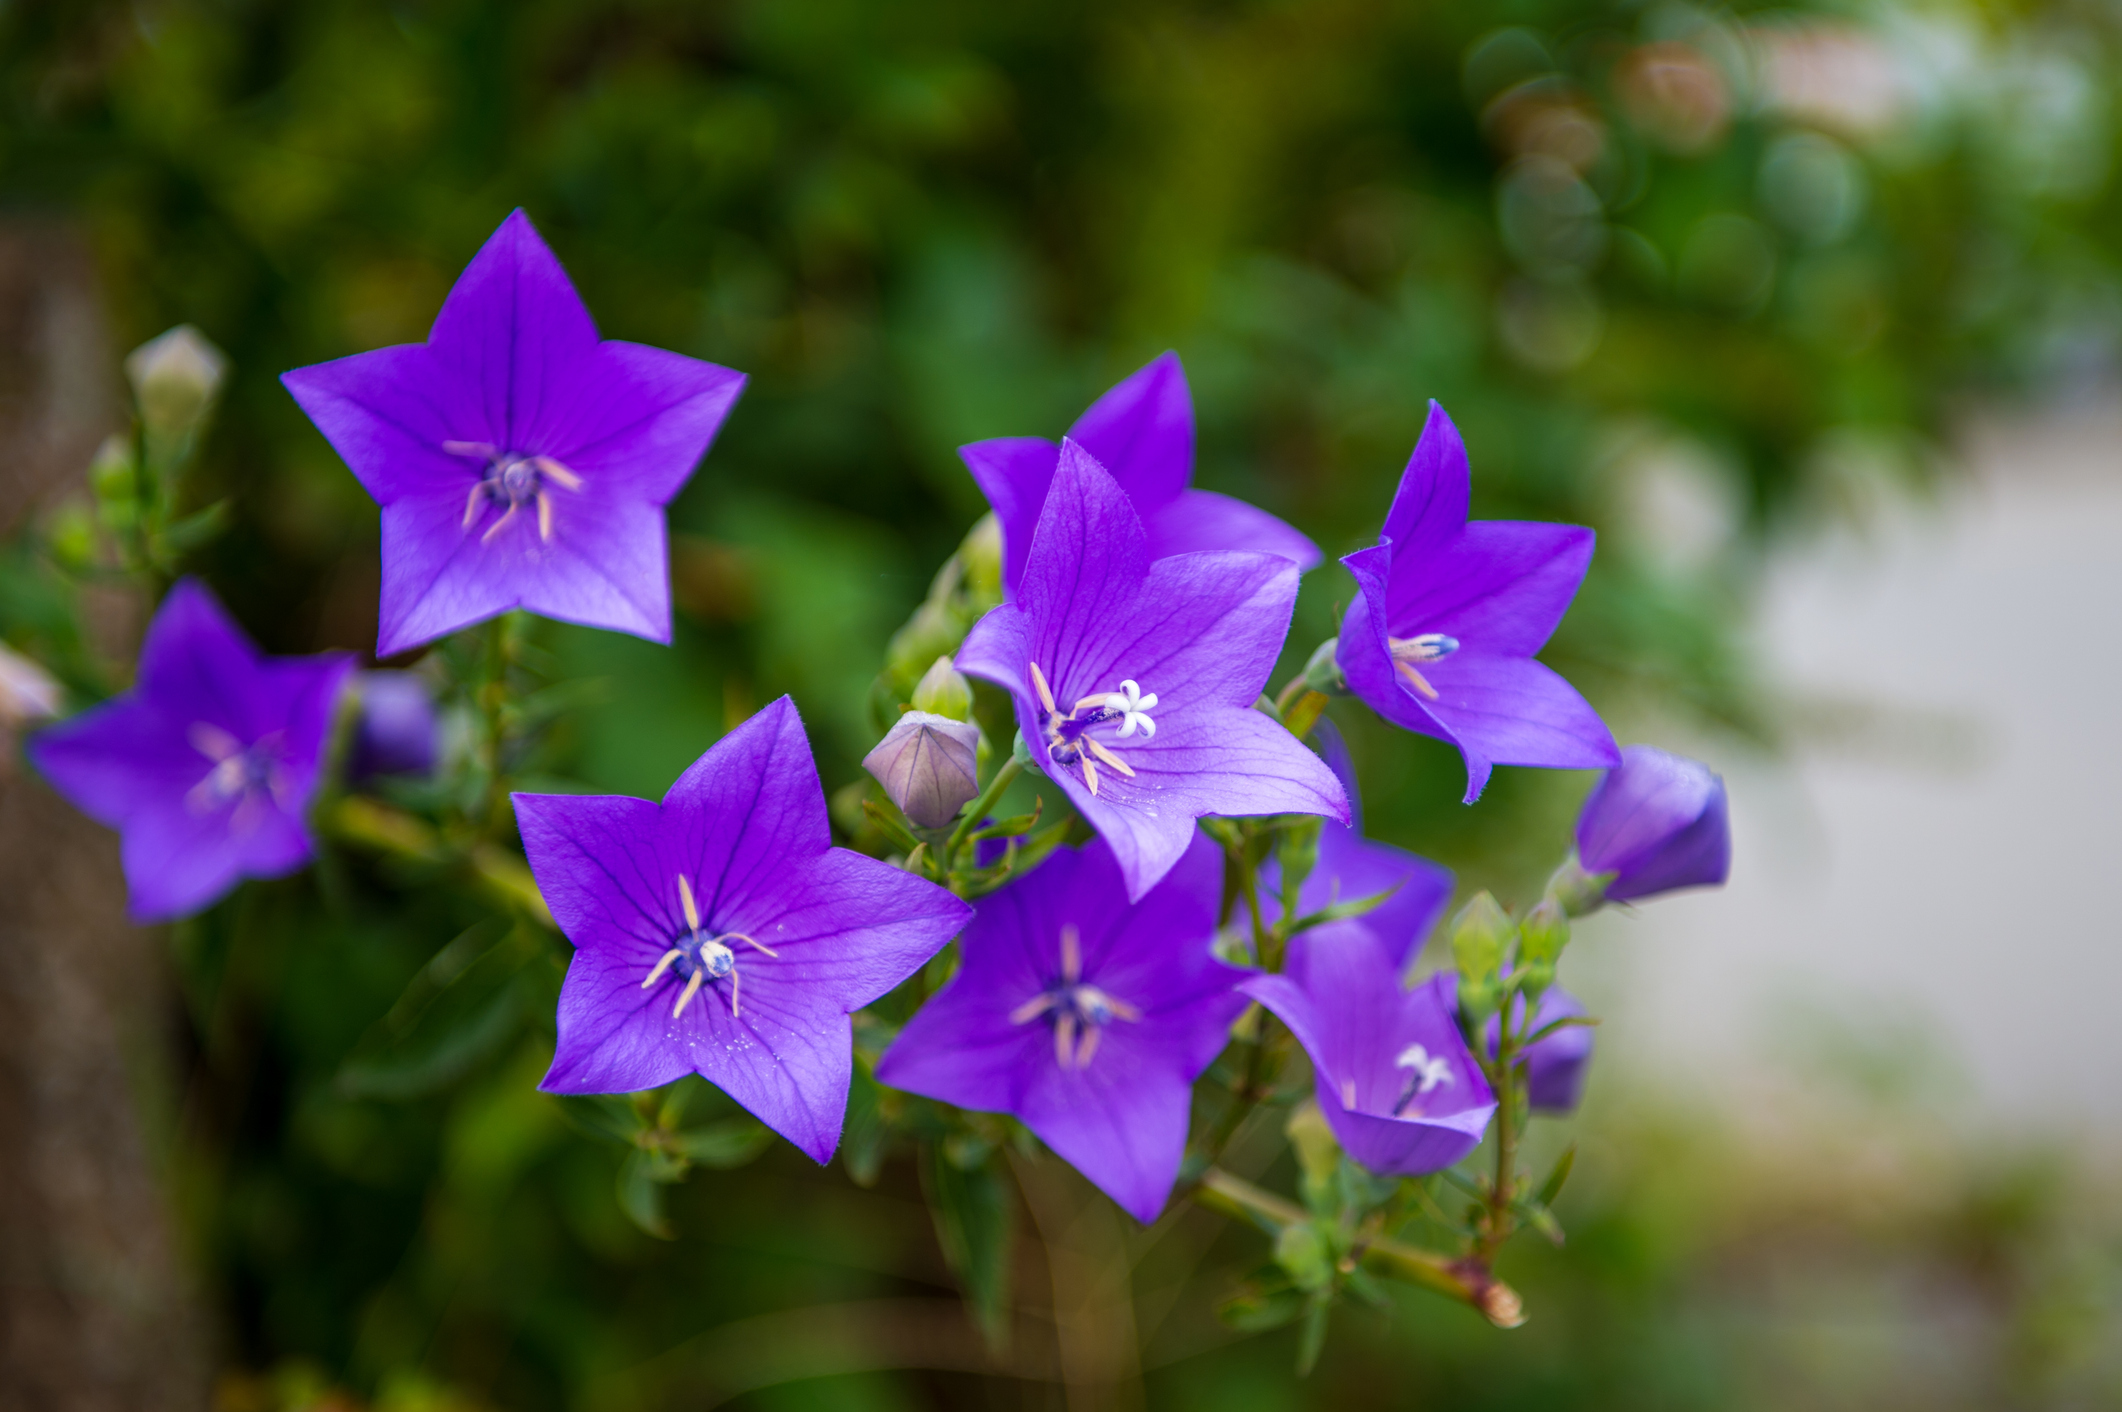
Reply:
x=1502 y=1195
x=1231 y=1196
x=976 y=811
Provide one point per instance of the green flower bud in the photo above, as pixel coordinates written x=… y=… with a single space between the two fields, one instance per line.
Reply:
x=942 y=692
x=1575 y=891
x=1303 y=1252
x=1481 y=938
x=1323 y=672
x=1541 y=937
x=981 y=553
x=175 y=379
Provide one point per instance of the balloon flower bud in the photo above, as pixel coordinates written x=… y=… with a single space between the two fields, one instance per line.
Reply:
x=1656 y=823
x=942 y=692
x=928 y=765
x=175 y=378
x=1541 y=937
x=396 y=733
x=1481 y=935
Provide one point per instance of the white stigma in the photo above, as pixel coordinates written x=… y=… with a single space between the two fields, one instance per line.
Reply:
x=1430 y=1069
x=1134 y=708
x=1130 y=706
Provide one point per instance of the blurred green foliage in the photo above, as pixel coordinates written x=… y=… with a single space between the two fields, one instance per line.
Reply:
x=1690 y=276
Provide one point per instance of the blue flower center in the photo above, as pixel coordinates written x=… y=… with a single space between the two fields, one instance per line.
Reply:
x=250 y=775
x=1077 y=1012
x=512 y=481
x=1068 y=737
x=698 y=957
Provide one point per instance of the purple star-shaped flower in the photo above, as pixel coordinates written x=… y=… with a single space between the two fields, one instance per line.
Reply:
x=1350 y=867
x=722 y=934
x=1142 y=431
x=1135 y=680
x=1392 y=1074
x=206 y=767
x=1658 y=822
x=1441 y=635
x=1086 y=1016
x=520 y=461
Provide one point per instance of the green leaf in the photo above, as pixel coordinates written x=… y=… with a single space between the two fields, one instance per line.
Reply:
x=730 y=1143
x=975 y=1213
x=865 y=1138
x=1338 y=910
x=461 y=1008
x=641 y=1183
x=1313 y=1338
x=194 y=532
x=1262 y=1304
x=1552 y=1187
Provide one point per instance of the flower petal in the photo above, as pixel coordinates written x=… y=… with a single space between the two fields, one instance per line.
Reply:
x=383 y=412
x=1429 y=506
x=1142 y=430
x=1500 y=587
x=1202 y=519
x=1014 y=473
x=514 y=336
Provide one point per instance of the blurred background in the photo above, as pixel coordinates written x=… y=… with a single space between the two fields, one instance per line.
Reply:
x=1814 y=311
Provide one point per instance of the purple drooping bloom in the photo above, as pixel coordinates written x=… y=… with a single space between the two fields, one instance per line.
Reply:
x=207 y=766
x=1142 y=431
x=520 y=461
x=1658 y=822
x=721 y=933
x=396 y=732
x=1135 y=681
x=1084 y=1015
x=1393 y=1075
x=1351 y=867
x=1441 y=635
x=1555 y=1066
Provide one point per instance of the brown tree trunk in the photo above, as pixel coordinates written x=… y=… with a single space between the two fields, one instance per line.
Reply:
x=96 y=1313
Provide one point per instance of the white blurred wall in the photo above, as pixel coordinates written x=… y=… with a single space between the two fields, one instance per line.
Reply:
x=1939 y=864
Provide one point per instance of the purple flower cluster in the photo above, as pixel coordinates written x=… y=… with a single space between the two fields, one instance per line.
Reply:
x=521 y=461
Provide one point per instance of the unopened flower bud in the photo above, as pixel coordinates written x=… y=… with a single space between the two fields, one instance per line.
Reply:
x=175 y=379
x=1541 y=937
x=1323 y=672
x=981 y=553
x=397 y=731
x=1657 y=822
x=27 y=692
x=1481 y=934
x=929 y=765
x=942 y=692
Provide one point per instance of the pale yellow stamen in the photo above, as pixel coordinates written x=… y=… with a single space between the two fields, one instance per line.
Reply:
x=1065 y=1040
x=499 y=525
x=545 y=517
x=1090 y=776
x=685 y=900
x=1108 y=757
x=661 y=966
x=1348 y=1093
x=471 y=503
x=1031 y=1009
x=1415 y=679
x=554 y=471
x=1071 y=954
x=1046 y=694
x=692 y=988
x=1088 y=1045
